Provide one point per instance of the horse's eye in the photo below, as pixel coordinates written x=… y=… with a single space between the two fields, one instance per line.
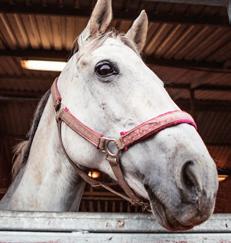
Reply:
x=105 y=69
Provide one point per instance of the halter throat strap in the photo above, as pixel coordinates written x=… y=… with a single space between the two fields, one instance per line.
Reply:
x=114 y=147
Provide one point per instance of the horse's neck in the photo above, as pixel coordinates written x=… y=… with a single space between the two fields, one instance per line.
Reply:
x=47 y=182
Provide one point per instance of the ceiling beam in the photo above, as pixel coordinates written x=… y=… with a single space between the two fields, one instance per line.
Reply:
x=28 y=95
x=217 y=3
x=29 y=53
x=200 y=105
x=187 y=64
x=213 y=3
x=63 y=55
x=205 y=87
x=49 y=9
x=4 y=98
x=20 y=96
x=205 y=105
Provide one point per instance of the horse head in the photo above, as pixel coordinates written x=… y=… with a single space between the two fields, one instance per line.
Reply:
x=107 y=86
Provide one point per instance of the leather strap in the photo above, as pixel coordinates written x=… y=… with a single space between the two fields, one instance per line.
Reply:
x=116 y=168
x=77 y=126
x=153 y=126
x=57 y=99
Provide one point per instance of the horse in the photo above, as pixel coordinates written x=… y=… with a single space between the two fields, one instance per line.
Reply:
x=156 y=153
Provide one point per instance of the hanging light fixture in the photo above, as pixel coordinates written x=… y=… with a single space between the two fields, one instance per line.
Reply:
x=43 y=65
x=223 y=174
x=94 y=174
x=222 y=177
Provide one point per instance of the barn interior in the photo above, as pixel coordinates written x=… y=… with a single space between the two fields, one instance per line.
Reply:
x=188 y=47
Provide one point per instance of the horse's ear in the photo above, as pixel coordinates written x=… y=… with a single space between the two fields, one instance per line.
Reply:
x=138 y=31
x=99 y=21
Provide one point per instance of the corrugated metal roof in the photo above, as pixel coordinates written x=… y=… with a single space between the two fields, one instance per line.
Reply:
x=166 y=40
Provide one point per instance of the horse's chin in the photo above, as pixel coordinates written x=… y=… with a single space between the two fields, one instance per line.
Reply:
x=165 y=217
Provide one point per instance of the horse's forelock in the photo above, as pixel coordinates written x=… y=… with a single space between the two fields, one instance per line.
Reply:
x=98 y=40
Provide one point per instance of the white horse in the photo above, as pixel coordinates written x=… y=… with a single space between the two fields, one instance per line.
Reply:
x=108 y=87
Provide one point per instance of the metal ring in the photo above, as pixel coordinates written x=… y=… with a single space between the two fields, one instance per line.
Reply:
x=111 y=142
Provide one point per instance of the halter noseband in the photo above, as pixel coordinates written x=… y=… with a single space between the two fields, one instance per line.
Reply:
x=114 y=147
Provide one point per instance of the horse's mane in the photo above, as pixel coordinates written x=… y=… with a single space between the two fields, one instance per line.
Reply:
x=21 y=150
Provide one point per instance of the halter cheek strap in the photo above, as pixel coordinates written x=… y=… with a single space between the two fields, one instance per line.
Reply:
x=114 y=147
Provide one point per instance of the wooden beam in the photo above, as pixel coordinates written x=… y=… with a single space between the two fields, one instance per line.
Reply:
x=18 y=99
x=217 y=3
x=215 y=144
x=206 y=87
x=211 y=3
x=206 y=105
x=49 y=9
x=20 y=96
x=29 y=53
x=200 y=105
x=187 y=64
x=62 y=55
x=27 y=95
x=224 y=171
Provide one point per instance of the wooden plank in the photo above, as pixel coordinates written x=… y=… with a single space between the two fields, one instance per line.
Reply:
x=32 y=237
x=100 y=222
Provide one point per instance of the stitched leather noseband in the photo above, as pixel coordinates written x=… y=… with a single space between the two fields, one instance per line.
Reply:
x=114 y=147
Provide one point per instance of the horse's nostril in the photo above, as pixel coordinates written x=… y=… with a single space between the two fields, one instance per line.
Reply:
x=191 y=176
x=188 y=179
